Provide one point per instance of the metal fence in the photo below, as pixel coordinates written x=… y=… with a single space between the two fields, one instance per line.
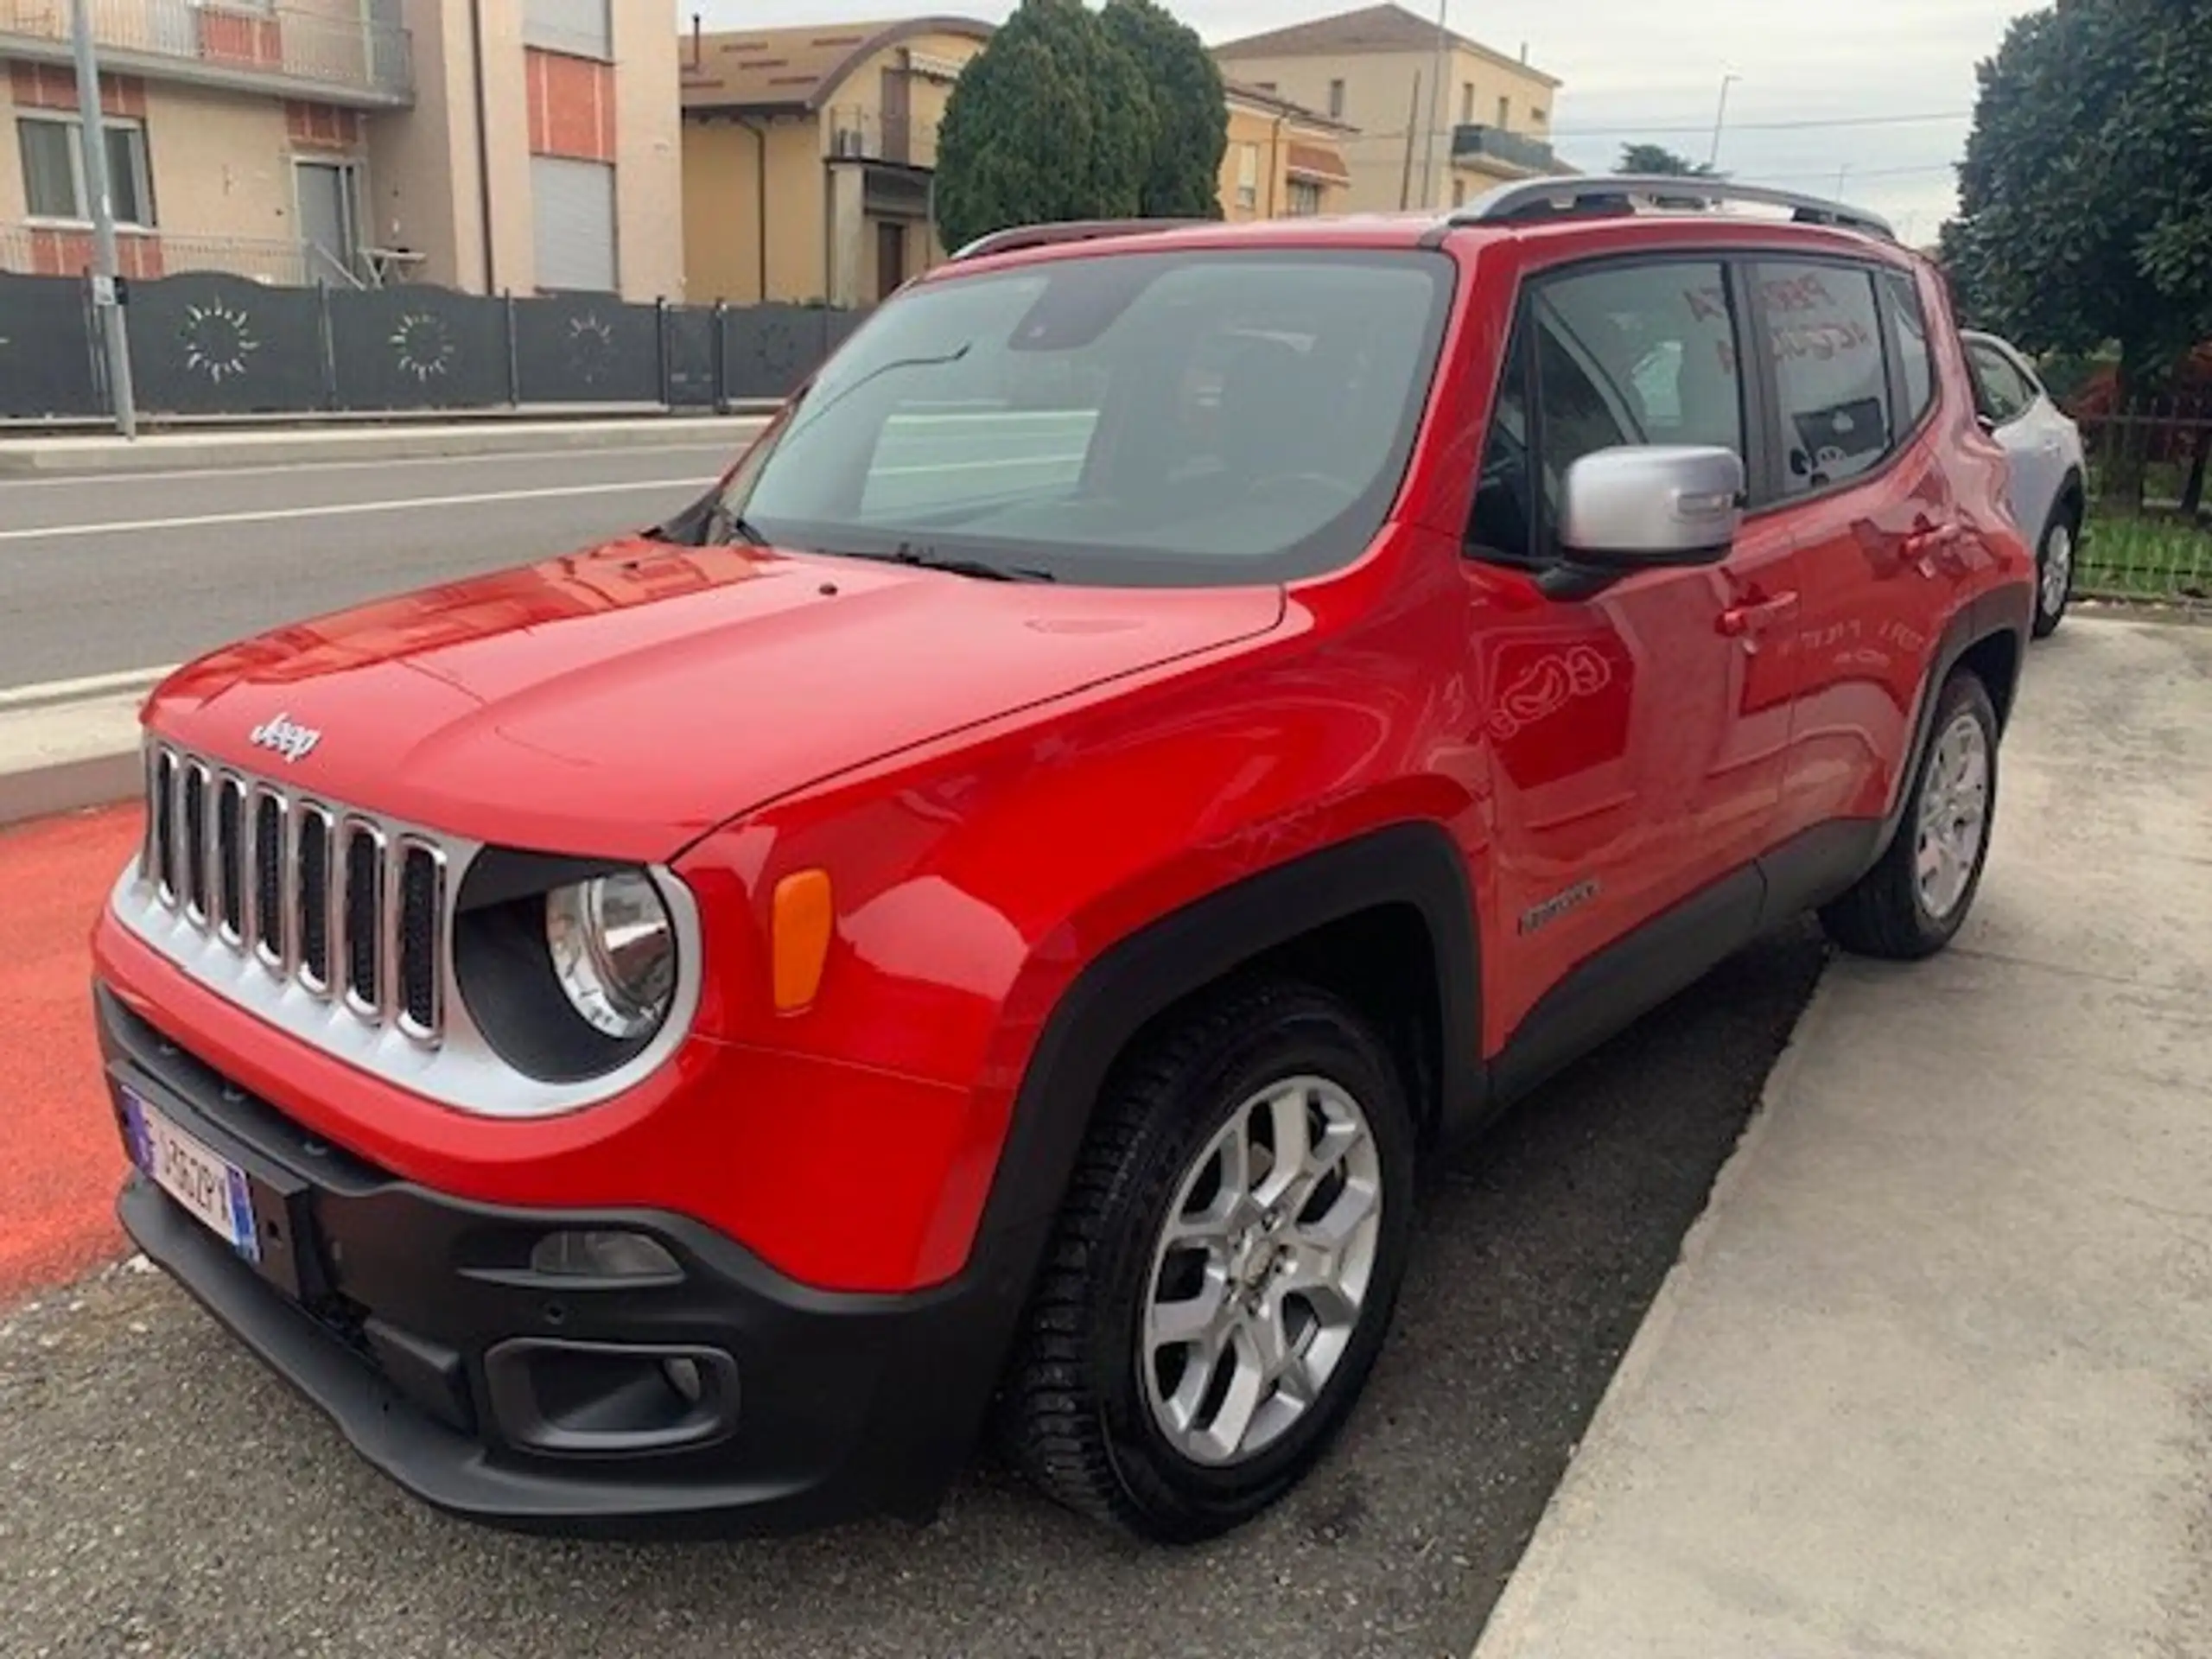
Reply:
x=2150 y=532
x=212 y=343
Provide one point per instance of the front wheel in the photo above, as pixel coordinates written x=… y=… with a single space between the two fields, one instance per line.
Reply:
x=2054 y=570
x=1224 y=1271
x=1912 y=902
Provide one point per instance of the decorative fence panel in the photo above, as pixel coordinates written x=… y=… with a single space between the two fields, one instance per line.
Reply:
x=418 y=348
x=207 y=343
x=46 y=348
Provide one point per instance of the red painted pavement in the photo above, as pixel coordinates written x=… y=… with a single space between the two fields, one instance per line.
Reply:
x=59 y=1159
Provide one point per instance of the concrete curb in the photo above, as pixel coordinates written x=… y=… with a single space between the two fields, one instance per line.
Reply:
x=1514 y=1625
x=68 y=786
x=93 y=456
x=71 y=744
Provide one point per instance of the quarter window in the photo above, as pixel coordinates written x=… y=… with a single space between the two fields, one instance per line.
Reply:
x=1917 y=360
x=1825 y=338
x=1620 y=355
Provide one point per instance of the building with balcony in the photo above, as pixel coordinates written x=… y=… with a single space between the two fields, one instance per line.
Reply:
x=521 y=146
x=809 y=153
x=1422 y=140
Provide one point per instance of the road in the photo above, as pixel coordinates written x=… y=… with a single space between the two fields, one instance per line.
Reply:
x=109 y=574
x=167 y=1496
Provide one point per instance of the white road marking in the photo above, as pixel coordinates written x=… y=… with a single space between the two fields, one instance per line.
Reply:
x=92 y=685
x=8 y=485
x=345 y=509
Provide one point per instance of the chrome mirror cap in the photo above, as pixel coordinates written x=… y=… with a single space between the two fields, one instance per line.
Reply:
x=1652 y=503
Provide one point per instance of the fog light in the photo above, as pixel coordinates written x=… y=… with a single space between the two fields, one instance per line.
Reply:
x=683 y=1376
x=603 y=1255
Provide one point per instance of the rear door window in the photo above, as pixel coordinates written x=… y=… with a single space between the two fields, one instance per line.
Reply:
x=1824 y=338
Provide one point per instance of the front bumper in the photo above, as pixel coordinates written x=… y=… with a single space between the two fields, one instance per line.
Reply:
x=413 y=1319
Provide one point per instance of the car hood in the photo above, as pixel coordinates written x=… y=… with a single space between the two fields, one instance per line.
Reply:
x=622 y=702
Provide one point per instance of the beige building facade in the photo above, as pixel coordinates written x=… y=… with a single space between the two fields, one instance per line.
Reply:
x=809 y=153
x=1423 y=139
x=523 y=146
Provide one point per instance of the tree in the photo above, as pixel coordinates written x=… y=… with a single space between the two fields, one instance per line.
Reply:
x=2086 y=195
x=1190 y=128
x=1657 y=161
x=1050 y=121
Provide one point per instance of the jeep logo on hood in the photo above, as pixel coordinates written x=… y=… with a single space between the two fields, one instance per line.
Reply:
x=278 y=733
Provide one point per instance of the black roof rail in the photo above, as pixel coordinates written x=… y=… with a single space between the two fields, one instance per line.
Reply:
x=1074 y=230
x=1551 y=198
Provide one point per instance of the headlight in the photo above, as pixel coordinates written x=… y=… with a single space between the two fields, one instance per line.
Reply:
x=613 y=950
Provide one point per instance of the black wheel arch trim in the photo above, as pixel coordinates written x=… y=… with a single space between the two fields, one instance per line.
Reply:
x=1414 y=863
x=2003 y=613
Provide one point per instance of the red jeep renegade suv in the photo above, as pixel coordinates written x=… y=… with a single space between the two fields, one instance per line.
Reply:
x=978 y=921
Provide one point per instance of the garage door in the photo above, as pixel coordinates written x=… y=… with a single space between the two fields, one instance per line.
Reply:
x=575 y=213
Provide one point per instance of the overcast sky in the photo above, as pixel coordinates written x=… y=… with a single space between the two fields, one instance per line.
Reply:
x=1637 y=68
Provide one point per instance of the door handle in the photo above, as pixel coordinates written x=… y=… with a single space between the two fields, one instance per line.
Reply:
x=1755 y=616
x=1921 y=543
x=1934 y=548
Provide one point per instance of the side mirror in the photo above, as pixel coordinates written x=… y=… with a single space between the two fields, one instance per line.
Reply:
x=1646 y=507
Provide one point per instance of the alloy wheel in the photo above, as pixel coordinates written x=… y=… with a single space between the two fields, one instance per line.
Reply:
x=1261 y=1271
x=1954 y=816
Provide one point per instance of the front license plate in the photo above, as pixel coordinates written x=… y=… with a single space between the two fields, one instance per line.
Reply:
x=213 y=1188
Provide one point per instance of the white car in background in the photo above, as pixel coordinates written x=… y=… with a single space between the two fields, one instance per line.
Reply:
x=2050 y=487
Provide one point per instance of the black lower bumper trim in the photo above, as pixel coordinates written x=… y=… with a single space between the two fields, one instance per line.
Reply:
x=387 y=1302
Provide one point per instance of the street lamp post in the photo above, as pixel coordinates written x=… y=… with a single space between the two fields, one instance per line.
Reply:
x=1721 y=119
x=106 y=304
x=1435 y=92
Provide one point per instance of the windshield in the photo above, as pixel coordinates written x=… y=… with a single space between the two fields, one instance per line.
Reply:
x=1121 y=419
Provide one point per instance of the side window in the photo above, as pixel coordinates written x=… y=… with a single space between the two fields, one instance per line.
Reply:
x=1916 y=359
x=1628 y=354
x=1999 y=392
x=1824 y=335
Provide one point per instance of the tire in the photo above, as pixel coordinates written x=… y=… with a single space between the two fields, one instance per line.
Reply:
x=2057 y=556
x=1093 y=1424
x=1892 y=912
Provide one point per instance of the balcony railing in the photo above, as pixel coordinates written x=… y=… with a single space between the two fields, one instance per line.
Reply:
x=1476 y=143
x=858 y=133
x=338 y=56
x=66 y=251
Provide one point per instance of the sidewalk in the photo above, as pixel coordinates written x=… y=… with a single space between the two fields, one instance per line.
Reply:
x=1934 y=1375
x=390 y=437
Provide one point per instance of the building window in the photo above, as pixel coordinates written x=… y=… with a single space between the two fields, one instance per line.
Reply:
x=572 y=212
x=1467 y=104
x=1304 y=198
x=1336 y=100
x=1537 y=117
x=54 y=170
x=1458 y=193
x=1247 y=176
x=1504 y=114
x=581 y=29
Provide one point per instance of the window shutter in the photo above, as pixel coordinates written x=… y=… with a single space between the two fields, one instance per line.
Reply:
x=574 y=213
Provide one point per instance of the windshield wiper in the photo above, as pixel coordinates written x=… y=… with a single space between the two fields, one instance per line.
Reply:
x=724 y=525
x=929 y=558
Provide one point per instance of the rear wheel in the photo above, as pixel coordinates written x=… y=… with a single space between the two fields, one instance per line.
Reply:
x=1225 y=1269
x=2055 y=568
x=1912 y=902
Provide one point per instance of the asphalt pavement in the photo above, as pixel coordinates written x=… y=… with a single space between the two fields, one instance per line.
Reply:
x=164 y=1495
x=105 y=574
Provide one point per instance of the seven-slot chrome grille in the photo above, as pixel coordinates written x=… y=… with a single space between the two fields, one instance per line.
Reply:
x=320 y=895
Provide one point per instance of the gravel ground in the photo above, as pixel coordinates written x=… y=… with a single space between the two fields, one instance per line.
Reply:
x=163 y=1495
